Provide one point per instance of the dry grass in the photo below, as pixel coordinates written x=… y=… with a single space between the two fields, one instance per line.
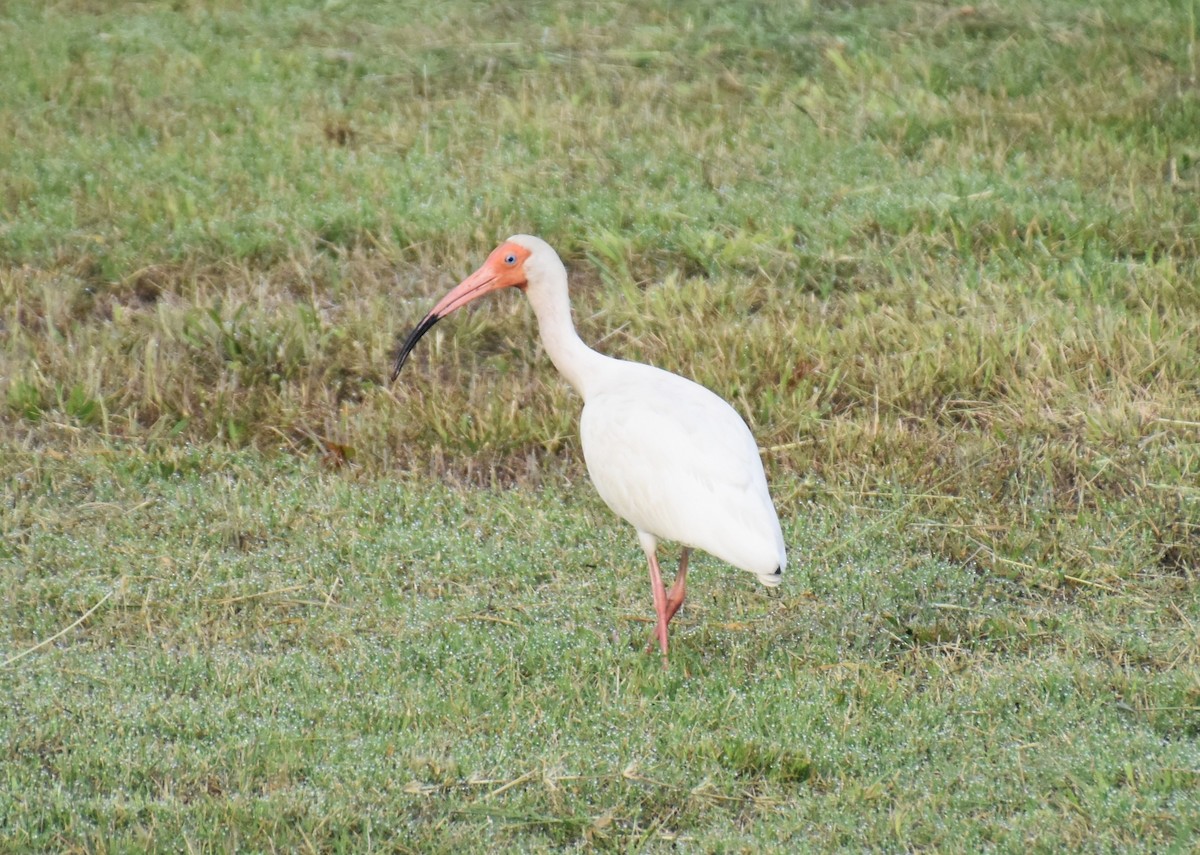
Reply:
x=1006 y=408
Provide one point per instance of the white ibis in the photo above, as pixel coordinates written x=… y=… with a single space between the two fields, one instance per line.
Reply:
x=665 y=453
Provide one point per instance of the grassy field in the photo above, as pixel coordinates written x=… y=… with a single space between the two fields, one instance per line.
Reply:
x=944 y=258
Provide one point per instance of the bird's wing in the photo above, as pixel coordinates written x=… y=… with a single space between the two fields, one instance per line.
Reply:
x=678 y=462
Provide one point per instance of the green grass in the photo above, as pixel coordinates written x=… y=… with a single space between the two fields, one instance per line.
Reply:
x=291 y=657
x=945 y=259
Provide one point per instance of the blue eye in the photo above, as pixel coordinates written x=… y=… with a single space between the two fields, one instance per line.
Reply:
x=510 y=259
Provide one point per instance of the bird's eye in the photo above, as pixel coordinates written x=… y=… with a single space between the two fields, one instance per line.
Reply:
x=510 y=259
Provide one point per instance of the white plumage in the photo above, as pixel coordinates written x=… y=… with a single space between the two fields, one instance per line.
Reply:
x=677 y=462
x=665 y=453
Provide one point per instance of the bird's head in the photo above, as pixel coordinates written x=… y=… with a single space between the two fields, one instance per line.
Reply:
x=516 y=263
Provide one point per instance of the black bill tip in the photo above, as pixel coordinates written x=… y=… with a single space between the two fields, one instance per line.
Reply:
x=411 y=342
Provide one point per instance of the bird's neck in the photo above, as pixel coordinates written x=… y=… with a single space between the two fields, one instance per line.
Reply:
x=581 y=366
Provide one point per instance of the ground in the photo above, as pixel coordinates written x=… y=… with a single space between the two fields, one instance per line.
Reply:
x=942 y=258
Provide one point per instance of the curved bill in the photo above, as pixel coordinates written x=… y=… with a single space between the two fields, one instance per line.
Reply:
x=474 y=286
x=409 y=343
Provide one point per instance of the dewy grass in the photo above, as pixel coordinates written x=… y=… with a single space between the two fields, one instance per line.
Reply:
x=943 y=259
x=291 y=654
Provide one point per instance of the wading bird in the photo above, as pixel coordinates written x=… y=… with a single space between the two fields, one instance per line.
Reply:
x=665 y=453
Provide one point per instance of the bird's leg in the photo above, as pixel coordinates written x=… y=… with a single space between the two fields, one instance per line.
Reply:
x=675 y=595
x=660 y=603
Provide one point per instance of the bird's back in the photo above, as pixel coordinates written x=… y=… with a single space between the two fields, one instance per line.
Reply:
x=678 y=462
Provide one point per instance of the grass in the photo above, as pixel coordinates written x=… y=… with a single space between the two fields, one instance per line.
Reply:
x=944 y=259
x=291 y=657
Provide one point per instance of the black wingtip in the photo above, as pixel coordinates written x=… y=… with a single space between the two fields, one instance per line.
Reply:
x=411 y=342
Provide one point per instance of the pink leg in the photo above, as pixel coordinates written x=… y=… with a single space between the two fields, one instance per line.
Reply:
x=672 y=600
x=660 y=603
x=675 y=595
